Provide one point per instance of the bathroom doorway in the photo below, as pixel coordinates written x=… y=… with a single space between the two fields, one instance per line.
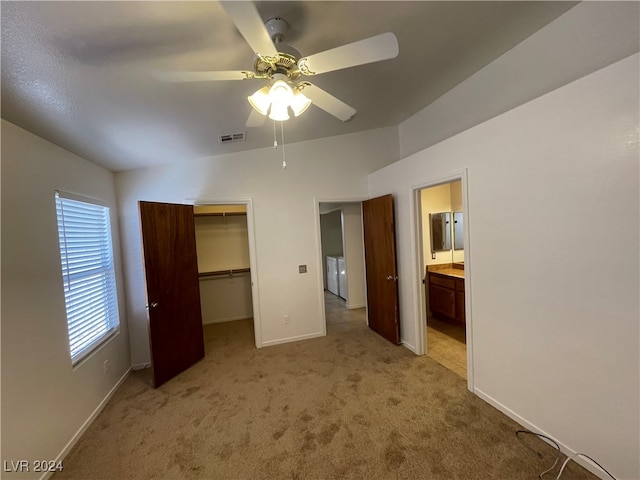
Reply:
x=441 y=230
x=342 y=259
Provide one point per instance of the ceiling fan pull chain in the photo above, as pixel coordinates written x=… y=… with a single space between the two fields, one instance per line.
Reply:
x=275 y=140
x=284 y=160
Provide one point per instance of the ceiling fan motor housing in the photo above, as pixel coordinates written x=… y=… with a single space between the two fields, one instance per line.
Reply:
x=277 y=27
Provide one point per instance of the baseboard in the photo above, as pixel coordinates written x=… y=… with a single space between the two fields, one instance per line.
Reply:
x=140 y=366
x=530 y=426
x=291 y=339
x=357 y=305
x=65 y=451
x=408 y=346
x=223 y=320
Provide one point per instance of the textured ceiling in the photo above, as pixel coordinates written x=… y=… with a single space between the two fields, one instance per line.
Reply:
x=79 y=74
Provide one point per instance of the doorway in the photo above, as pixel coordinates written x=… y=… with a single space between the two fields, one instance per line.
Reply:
x=223 y=244
x=441 y=230
x=342 y=260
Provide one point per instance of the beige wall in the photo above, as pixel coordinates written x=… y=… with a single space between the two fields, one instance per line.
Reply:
x=223 y=244
x=46 y=402
x=440 y=198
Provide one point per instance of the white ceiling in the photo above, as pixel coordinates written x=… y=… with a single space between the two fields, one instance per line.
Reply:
x=79 y=74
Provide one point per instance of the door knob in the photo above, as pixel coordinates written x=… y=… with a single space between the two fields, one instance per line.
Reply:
x=390 y=277
x=152 y=305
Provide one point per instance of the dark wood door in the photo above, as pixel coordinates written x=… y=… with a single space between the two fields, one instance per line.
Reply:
x=173 y=290
x=380 y=262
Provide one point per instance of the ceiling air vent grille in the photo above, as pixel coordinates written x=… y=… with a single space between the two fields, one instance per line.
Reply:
x=232 y=138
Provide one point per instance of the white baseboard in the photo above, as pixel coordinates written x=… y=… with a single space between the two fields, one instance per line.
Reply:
x=140 y=366
x=291 y=339
x=408 y=346
x=354 y=306
x=65 y=451
x=530 y=426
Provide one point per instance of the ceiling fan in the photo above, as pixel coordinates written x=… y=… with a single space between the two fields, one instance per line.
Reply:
x=282 y=67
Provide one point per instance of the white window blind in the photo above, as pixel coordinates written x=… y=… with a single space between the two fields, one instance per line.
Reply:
x=87 y=272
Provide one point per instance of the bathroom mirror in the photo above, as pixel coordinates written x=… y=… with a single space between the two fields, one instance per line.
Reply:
x=458 y=231
x=440 y=231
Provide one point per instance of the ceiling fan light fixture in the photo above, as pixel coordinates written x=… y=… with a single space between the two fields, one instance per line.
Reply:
x=299 y=103
x=279 y=112
x=281 y=93
x=260 y=100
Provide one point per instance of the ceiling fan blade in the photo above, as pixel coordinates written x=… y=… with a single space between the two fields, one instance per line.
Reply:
x=248 y=21
x=202 y=76
x=328 y=102
x=373 y=49
x=256 y=119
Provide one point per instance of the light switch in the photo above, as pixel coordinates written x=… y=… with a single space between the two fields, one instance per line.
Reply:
x=302 y=268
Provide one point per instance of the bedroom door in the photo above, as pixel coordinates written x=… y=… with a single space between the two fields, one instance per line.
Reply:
x=381 y=269
x=173 y=291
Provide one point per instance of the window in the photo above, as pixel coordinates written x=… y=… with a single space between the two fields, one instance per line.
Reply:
x=88 y=275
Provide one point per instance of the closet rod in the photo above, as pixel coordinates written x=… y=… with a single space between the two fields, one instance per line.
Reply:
x=218 y=273
x=219 y=214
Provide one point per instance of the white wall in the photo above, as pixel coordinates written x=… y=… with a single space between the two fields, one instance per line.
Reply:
x=331 y=238
x=555 y=322
x=285 y=220
x=226 y=298
x=354 y=254
x=45 y=401
x=587 y=37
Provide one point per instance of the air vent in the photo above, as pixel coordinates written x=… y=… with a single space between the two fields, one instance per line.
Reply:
x=232 y=138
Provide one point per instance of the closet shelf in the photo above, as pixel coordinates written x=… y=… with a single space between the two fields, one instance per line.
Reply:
x=220 y=273
x=219 y=214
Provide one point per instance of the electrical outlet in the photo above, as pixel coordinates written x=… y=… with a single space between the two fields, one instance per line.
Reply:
x=286 y=318
x=106 y=367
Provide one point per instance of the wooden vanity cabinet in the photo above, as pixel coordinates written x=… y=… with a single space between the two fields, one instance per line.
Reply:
x=460 y=315
x=446 y=296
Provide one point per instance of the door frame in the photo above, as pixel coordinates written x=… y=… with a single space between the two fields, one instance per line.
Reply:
x=421 y=301
x=316 y=210
x=253 y=263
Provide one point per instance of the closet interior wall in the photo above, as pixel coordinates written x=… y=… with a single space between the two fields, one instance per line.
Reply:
x=223 y=263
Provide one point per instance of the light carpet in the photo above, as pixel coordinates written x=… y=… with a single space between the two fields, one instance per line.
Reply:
x=346 y=406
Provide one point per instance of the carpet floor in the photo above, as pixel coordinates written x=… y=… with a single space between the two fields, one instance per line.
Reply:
x=346 y=406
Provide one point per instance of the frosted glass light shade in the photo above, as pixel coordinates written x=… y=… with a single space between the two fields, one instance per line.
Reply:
x=279 y=112
x=299 y=103
x=260 y=100
x=281 y=93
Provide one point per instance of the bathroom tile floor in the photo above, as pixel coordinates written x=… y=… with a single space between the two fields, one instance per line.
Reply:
x=446 y=345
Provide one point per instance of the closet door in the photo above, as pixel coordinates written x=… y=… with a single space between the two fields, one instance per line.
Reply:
x=173 y=290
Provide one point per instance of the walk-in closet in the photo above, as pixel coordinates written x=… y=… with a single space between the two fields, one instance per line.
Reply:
x=222 y=243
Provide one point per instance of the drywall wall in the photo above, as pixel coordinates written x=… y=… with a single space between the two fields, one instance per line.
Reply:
x=331 y=238
x=587 y=37
x=46 y=402
x=354 y=254
x=222 y=243
x=226 y=298
x=434 y=200
x=446 y=197
x=555 y=330
x=284 y=213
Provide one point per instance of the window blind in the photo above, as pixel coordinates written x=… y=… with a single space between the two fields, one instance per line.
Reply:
x=88 y=275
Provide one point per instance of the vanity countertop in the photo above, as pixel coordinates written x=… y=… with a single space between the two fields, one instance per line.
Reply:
x=450 y=269
x=451 y=272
